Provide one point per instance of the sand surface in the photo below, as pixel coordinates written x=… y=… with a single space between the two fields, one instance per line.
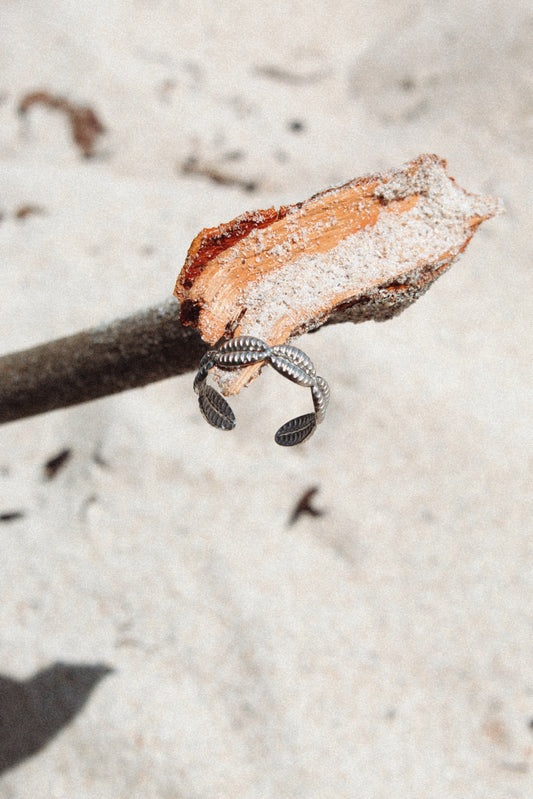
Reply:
x=164 y=630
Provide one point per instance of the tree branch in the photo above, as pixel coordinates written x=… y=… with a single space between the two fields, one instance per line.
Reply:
x=364 y=250
x=151 y=345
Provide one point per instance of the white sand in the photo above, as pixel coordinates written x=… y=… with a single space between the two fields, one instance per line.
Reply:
x=385 y=648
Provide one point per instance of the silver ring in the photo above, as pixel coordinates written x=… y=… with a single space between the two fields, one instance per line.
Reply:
x=289 y=361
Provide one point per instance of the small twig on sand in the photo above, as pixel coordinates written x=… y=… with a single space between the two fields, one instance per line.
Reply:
x=85 y=125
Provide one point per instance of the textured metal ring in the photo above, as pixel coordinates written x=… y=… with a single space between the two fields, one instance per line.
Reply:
x=289 y=361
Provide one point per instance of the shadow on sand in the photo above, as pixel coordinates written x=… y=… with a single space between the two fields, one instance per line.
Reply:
x=33 y=711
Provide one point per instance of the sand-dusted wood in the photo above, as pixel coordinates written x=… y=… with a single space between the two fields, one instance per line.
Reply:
x=363 y=250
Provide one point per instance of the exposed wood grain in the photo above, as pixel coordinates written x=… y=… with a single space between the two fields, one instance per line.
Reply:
x=363 y=250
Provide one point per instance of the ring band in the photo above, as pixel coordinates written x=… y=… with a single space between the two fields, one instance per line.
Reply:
x=289 y=361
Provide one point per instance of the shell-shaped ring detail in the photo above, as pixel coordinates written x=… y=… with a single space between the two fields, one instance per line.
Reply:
x=289 y=361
